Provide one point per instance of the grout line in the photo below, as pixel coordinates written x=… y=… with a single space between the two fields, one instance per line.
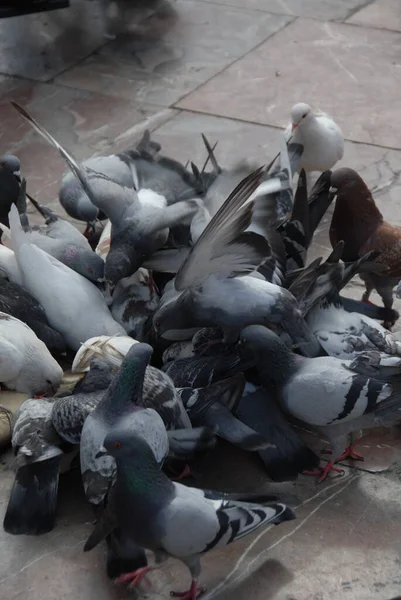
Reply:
x=234 y=61
x=353 y=11
x=257 y=123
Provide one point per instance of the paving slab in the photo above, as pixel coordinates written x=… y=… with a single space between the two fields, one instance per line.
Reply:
x=173 y=51
x=338 y=68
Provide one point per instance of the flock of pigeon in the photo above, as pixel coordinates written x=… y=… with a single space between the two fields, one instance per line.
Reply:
x=194 y=315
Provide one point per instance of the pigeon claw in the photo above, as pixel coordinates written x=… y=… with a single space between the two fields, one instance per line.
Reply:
x=322 y=472
x=134 y=577
x=349 y=452
x=192 y=594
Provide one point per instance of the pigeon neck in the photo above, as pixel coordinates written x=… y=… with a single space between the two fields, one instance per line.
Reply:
x=281 y=365
x=354 y=220
x=126 y=388
x=142 y=478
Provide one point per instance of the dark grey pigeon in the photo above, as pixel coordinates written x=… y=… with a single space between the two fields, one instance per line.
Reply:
x=16 y=301
x=170 y=519
x=9 y=186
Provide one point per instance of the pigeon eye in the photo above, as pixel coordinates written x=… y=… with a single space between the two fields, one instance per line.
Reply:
x=90 y=270
x=48 y=381
x=346 y=182
x=303 y=116
x=117 y=444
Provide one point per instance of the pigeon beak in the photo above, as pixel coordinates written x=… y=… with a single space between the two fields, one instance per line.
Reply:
x=17 y=175
x=333 y=190
x=293 y=125
x=102 y=452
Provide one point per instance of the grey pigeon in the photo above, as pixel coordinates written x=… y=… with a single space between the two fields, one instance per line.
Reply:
x=119 y=406
x=32 y=506
x=140 y=222
x=213 y=285
x=170 y=519
x=155 y=172
x=335 y=397
x=18 y=302
x=70 y=411
x=61 y=239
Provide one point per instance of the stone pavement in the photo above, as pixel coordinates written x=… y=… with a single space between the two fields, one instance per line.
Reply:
x=231 y=69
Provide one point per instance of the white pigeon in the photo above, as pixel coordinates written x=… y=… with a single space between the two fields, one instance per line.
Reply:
x=320 y=136
x=8 y=264
x=73 y=305
x=26 y=364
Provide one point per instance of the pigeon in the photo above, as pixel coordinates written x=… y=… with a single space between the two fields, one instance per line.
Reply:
x=26 y=364
x=140 y=221
x=9 y=265
x=211 y=287
x=160 y=174
x=345 y=334
x=73 y=305
x=201 y=371
x=177 y=350
x=285 y=455
x=70 y=411
x=168 y=518
x=227 y=392
x=9 y=186
x=119 y=406
x=320 y=136
x=326 y=393
x=19 y=303
x=359 y=223
x=61 y=239
x=134 y=301
x=32 y=506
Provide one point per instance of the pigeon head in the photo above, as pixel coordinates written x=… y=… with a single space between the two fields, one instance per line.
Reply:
x=43 y=380
x=172 y=316
x=119 y=265
x=301 y=113
x=85 y=262
x=347 y=180
x=8 y=161
x=274 y=360
x=125 y=443
x=77 y=204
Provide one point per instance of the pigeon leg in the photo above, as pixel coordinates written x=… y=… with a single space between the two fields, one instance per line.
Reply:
x=349 y=452
x=135 y=577
x=186 y=472
x=322 y=472
x=192 y=594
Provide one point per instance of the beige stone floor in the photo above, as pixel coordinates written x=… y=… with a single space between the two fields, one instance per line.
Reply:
x=231 y=69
